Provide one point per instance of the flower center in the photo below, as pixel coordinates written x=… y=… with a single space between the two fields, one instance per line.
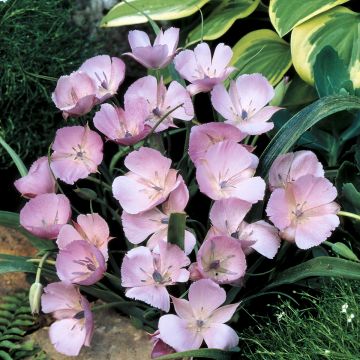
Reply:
x=214 y=265
x=200 y=323
x=157 y=277
x=80 y=315
x=157 y=112
x=165 y=220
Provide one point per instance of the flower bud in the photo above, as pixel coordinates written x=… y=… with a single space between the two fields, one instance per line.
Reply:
x=35 y=293
x=85 y=193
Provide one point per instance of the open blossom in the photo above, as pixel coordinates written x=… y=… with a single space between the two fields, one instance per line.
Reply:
x=159 y=101
x=91 y=228
x=200 y=318
x=227 y=170
x=245 y=104
x=154 y=222
x=206 y=135
x=106 y=72
x=304 y=211
x=38 y=181
x=74 y=325
x=289 y=167
x=146 y=274
x=222 y=259
x=77 y=153
x=155 y=56
x=80 y=262
x=202 y=71
x=227 y=217
x=148 y=183
x=45 y=215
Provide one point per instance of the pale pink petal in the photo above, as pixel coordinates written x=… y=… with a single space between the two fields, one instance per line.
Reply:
x=183 y=308
x=186 y=66
x=151 y=57
x=178 y=198
x=170 y=37
x=279 y=208
x=138 y=38
x=203 y=56
x=67 y=235
x=220 y=100
x=220 y=336
x=221 y=58
x=153 y=295
x=223 y=314
x=253 y=128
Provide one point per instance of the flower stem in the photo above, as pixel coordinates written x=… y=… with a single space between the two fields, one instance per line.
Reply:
x=41 y=263
x=349 y=214
x=100 y=182
x=49 y=262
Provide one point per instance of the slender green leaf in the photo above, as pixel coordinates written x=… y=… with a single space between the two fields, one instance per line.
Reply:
x=14 y=263
x=344 y=251
x=176 y=229
x=215 y=354
x=5 y=356
x=15 y=157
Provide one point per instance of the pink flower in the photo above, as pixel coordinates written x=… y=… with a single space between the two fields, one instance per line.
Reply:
x=45 y=215
x=200 y=318
x=159 y=347
x=147 y=274
x=206 y=135
x=159 y=101
x=202 y=71
x=75 y=94
x=227 y=170
x=77 y=153
x=227 y=217
x=305 y=211
x=154 y=222
x=74 y=325
x=289 y=167
x=155 y=56
x=124 y=127
x=244 y=105
x=221 y=259
x=107 y=74
x=91 y=228
x=38 y=181
x=147 y=184
x=80 y=262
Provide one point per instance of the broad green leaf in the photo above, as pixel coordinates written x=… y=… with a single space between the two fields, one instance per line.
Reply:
x=285 y=15
x=202 y=353
x=176 y=229
x=221 y=19
x=262 y=51
x=290 y=133
x=15 y=157
x=130 y=13
x=14 y=263
x=338 y=28
x=321 y=266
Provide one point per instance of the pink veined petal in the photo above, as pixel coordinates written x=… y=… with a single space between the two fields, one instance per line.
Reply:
x=222 y=103
x=264 y=114
x=170 y=37
x=251 y=190
x=222 y=314
x=117 y=73
x=138 y=38
x=178 y=198
x=203 y=56
x=154 y=57
x=176 y=333
x=153 y=295
x=66 y=138
x=279 y=208
x=182 y=308
x=67 y=235
x=220 y=336
x=221 y=58
x=186 y=66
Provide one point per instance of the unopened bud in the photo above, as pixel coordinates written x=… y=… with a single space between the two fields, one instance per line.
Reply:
x=85 y=193
x=35 y=293
x=344 y=251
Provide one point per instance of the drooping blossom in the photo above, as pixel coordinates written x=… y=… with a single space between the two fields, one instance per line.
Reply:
x=38 y=181
x=227 y=218
x=304 y=211
x=221 y=259
x=206 y=135
x=154 y=222
x=155 y=56
x=227 y=170
x=146 y=274
x=80 y=262
x=106 y=72
x=74 y=325
x=159 y=101
x=289 y=167
x=45 y=215
x=159 y=347
x=125 y=127
x=202 y=70
x=147 y=184
x=75 y=94
x=77 y=153
x=91 y=228
x=244 y=105
x=201 y=318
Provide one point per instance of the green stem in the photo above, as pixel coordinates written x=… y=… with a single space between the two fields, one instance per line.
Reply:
x=100 y=182
x=254 y=140
x=110 y=305
x=113 y=212
x=41 y=263
x=349 y=214
x=49 y=262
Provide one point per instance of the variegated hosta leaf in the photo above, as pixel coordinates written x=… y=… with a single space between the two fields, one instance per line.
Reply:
x=262 y=51
x=129 y=13
x=338 y=28
x=285 y=14
x=221 y=19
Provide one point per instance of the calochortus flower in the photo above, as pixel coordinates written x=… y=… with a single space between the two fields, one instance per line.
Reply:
x=159 y=101
x=80 y=262
x=107 y=74
x=38 y=181
x=199 y=319
x=154 y=222
x=202 y=71
x=45 y=215
x=155 y=56
x=75 y=94
x=146 y=274
x=91 y=228
x=222 y=259
x=77 y=153
x=227 y=170
x=305 y=211
x=289 y=167
x=147 y=184
x=74 y=325
x=245 y=104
